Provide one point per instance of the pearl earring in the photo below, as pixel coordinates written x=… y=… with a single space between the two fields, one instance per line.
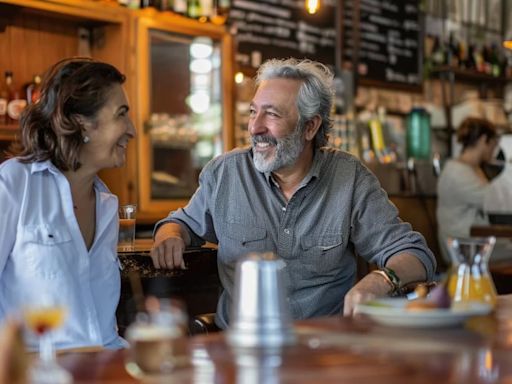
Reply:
x=86 y=139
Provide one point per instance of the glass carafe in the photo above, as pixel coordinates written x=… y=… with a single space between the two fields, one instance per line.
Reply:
x=469 y=279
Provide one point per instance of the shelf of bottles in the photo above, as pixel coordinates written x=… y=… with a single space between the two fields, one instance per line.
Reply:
x=213 y=11
x=13 y=100
x=465 y=40
x=467 y=62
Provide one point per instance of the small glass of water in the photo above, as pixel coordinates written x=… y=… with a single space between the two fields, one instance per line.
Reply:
x=127 y=214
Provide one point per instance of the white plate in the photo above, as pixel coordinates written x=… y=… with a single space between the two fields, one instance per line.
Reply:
x=393 y=312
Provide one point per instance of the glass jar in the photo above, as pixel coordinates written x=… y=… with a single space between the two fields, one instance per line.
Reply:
x=469 y=279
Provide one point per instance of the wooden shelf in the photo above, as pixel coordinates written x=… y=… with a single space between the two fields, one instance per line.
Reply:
x=8 y=132
x=84 y=10
x=469 y=76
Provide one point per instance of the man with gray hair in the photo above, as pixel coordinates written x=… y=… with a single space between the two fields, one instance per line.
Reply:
x=315 y=207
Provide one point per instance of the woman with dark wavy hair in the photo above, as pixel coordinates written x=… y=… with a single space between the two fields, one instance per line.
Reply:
x=463 y=184
x=59 y=222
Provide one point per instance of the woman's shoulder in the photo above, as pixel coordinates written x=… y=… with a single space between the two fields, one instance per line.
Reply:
x=458 y=168
x=14 y=169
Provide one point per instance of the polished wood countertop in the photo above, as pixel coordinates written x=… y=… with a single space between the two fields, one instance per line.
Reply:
x=338 y=350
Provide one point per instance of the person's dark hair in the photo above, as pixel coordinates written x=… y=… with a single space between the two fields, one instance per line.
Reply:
x=52 y=128
x=472 y=128
x=316 y=94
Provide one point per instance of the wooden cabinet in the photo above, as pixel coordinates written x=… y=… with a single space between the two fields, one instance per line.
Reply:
x=184 y=107
x=152 y=49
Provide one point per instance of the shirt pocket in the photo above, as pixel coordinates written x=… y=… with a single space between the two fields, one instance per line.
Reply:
x=46 y=250
x=241 y=239
x=321 y=254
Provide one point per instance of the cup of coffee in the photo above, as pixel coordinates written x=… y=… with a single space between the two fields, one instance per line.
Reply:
x=127 y=215
x=260 y=313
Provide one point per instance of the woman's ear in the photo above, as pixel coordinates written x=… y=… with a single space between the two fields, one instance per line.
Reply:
x=312 y=126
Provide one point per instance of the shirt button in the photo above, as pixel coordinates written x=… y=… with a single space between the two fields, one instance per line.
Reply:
x=287 y=231
x=283 y=209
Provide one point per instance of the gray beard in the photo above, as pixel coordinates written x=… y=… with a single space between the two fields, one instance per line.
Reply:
x=287 y=152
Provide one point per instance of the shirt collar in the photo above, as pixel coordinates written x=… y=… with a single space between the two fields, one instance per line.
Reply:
x=41 y=166
x=314 y=171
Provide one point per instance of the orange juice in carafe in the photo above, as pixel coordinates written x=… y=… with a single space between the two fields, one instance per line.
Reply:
x=466 y=287
x=469 y=279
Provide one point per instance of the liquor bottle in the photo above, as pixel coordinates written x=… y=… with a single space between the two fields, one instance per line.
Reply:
x=438 y=54
x=33 y=90
x=206 y=10
x=220 y=11
x=16 y=101
x=180 y=7
x=193 y=9
x=4 y=98
x=452 y=52
x=495 y=61
x=470 y=59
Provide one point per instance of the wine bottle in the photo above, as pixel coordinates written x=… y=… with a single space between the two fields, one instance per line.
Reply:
x=193 y=9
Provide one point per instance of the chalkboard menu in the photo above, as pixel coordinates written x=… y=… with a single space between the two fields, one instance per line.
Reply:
x=265 y=29
x=390 y=40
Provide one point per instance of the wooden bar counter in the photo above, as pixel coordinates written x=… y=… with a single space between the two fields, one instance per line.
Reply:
x=338 y=350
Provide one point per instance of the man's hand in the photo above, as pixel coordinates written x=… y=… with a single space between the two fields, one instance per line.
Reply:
x=408 y=268
x=369 y=287
x=168 y=247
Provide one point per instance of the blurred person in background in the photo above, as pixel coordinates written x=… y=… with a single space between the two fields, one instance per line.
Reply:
x=59 y=222
x=463 y=183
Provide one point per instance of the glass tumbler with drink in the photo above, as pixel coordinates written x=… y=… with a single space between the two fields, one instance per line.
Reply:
x=157 y=340
x=42 y=315
x=127 y=214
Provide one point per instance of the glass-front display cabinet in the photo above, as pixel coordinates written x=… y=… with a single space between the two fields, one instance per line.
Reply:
x=184 y=115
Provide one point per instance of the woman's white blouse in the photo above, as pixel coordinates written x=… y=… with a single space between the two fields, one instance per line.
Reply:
x=42 y=251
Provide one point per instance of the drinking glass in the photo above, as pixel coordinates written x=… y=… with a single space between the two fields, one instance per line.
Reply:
x=157 y=340
x=469 y=278
x=127 y=214
x=43 y=315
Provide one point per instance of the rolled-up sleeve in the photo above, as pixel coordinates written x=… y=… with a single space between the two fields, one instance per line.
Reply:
x=376 y=230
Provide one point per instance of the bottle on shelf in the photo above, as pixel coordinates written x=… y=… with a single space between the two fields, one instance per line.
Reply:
x=180 y=7
x=206 y=10
x=193 y=9
x=438 y=54
x=220 y=11
x=16 y=102
x=4 y=99
x=470 y=62
x=33 y=90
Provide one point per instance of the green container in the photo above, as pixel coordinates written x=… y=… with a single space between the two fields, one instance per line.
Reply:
x=418 y=134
